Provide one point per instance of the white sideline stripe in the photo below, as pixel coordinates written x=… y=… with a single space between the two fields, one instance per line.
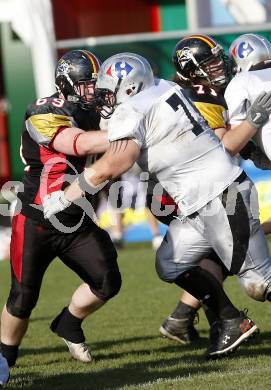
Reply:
x=215 y=374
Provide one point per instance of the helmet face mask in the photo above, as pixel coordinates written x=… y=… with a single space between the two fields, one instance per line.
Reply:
x=198 y=58
x=120 y=77
x=105 y=102
x=248 y=51
x=215 y=71
x=75 y=77
x=85 y=89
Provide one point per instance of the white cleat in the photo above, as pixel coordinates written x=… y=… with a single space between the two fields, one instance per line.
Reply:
x=79 y=351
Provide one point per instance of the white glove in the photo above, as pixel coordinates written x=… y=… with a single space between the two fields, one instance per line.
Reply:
x=53 y=203
x=259 y=111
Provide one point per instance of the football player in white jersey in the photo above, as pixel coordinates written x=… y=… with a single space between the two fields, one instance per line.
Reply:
x=251 y=54
x=153 y=123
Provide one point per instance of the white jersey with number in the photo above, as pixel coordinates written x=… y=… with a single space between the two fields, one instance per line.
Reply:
x=241 y=93
x=177 y=146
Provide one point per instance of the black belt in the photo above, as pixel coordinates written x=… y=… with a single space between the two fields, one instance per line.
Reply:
x=241 y=178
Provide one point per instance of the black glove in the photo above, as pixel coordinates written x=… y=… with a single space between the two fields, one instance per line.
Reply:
x=260 y=160
x=255 y=154
x=258 y=113
x=247 y=150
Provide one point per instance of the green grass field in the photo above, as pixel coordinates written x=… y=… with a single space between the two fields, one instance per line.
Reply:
x=125 y=342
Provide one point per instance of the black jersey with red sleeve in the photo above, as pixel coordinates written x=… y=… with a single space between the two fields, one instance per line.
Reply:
x=47 y=170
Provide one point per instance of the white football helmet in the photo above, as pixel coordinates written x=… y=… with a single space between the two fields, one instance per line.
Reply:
x=249 y=50
x=121 y=76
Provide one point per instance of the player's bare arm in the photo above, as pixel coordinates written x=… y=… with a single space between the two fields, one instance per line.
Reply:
x=119 y=157
x=237 y=137
x=76 y=142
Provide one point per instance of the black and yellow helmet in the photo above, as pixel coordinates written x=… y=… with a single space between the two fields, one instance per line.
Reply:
x=74 y=70
x=200 y=57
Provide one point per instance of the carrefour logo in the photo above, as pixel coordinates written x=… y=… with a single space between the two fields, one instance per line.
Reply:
x=244 y=50
x=119 y=70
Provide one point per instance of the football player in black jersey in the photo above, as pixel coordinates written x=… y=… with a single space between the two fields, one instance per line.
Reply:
x=55 y=142
x=203 y=71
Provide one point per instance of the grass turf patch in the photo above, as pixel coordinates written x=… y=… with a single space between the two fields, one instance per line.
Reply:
x=127 y=349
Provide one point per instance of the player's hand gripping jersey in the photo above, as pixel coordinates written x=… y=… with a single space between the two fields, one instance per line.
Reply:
x=165 y=124
x=46 y=168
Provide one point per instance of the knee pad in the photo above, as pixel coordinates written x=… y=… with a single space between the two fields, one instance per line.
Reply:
x=256 y=289
x=110 y=285
x=165 y=268
x=162 y=271
x=21 y=301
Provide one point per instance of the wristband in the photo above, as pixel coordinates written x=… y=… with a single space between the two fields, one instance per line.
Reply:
x=74 y=145
x=65 y=202
x=85 y=186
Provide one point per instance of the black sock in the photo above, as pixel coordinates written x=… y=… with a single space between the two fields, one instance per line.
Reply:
x=210 y=315
x=10 y=352
x=205 y=287
x=182 y=310
x=68 y=326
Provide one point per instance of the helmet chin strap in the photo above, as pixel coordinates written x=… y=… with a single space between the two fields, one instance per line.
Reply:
x=140 y=86
x=117 y=87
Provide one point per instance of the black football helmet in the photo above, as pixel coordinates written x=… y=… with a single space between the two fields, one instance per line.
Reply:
x=200 y=57
x=75 y=77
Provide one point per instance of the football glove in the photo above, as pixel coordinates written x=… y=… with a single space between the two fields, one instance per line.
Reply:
x=254 y=153
x=247 y=150
x=258 y=113
x=53 y=203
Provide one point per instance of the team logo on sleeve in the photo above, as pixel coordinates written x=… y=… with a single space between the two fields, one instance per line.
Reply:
x=119 y=70
x=243 y=50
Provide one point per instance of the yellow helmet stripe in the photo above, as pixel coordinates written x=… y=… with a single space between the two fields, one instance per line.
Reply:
x=93 y=60
x=205 y=39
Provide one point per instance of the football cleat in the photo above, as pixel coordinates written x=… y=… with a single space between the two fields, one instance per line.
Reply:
x=227 y=335
x=79 y=351
x=181 y=330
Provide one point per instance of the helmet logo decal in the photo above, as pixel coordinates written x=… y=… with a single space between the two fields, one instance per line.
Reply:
x=244 y=50
x=119 y=70
x=184 y=56
x=64 y=67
